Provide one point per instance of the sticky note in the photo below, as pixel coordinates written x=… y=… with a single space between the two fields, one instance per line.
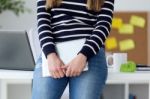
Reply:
x=126 y=29
x=111 y=43
x=137 y=21
x=117 y=23
x=126 y=45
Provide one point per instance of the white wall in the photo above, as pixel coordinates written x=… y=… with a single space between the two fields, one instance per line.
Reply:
x=9 y=21
x=132 y=5
x=25 y=21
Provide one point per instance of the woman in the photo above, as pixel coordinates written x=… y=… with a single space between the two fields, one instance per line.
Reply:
x=64 y=20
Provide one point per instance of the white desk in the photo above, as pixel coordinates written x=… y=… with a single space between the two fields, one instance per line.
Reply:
x=130 y=80
x=14 y=74
x=13 y=77
x=25 y=77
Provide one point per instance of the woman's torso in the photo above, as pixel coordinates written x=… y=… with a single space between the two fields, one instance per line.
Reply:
x=72 y=20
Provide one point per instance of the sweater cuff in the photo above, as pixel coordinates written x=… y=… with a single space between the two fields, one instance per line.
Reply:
x=49 y=49
x=87 y=52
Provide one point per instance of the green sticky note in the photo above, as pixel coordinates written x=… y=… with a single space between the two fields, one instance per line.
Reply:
x=126 y=29
x=126 y=45
x=137 y=21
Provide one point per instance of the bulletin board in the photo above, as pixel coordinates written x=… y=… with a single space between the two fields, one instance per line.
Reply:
x=139 y=53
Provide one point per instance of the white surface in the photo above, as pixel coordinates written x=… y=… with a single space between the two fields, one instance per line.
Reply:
x=137 y=77
x=112 y=76
x=14 y=74
x=66 y=51
x=132 y=5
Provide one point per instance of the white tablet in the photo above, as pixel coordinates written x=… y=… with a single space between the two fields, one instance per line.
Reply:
x=66 y=51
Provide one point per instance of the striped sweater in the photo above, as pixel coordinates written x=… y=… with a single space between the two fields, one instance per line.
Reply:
x=72 y=20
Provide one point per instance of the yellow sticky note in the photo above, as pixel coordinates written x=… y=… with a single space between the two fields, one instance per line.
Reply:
x=126 y=29
x=117 y=23
x=126 y=45
x=111 y=43
x=137 y=21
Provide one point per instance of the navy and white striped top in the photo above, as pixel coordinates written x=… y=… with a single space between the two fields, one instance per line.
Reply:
x=72 y=20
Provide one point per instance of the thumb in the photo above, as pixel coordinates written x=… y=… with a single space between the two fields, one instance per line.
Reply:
x=64 y=66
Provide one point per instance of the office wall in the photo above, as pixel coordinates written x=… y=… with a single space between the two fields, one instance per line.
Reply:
x=25 y=21
x=149 y=41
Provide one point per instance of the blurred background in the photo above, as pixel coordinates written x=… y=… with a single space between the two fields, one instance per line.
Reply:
x=24 y=18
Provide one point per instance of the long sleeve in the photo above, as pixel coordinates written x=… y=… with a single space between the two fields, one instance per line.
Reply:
x=101 y=30
x=44 y=29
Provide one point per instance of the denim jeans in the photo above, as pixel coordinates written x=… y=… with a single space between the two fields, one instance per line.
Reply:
x=88 y=85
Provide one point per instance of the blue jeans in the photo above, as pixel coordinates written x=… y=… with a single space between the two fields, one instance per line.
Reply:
x=88 y=85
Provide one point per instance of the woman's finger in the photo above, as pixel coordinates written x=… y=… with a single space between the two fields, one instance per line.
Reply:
x=68 y=72
x=59 y=70
x=53 y=75
x=78 y=73
x=72 y=74
x=56 y=73
x=64 y=71
x=61 y=73
x=64 y=66
x=52 y=71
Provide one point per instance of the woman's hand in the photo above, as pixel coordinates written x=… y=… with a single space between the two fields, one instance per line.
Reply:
x=76 y=66
x=55 y=66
